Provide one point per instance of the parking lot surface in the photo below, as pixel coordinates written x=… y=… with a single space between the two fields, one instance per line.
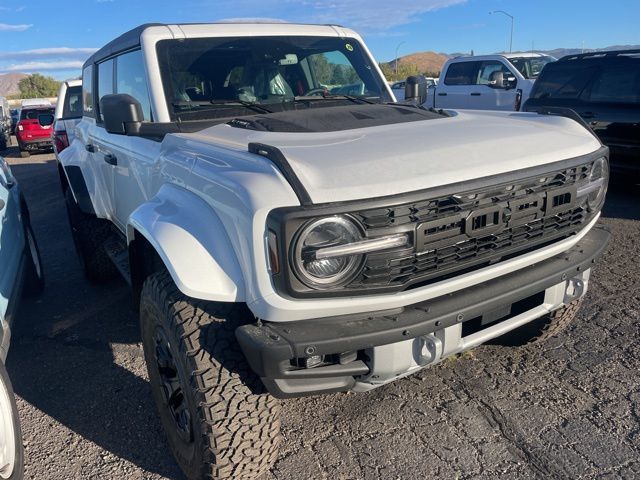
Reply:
x=567 y=409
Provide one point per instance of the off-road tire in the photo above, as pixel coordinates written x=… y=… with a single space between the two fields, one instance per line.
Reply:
x=234 y=423
x=7 y=390
x=89 y=235
x=542 y=328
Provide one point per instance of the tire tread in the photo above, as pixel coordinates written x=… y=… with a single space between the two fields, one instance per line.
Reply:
x=239 y=420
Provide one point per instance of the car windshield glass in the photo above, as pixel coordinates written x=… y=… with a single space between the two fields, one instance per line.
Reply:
x=530 y=67
x=221 y=77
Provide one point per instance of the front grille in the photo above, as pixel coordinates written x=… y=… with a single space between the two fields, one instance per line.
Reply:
x=455 y=234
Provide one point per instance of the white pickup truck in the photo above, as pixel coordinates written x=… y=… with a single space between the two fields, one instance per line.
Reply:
x=489 y=82
x=281 y=240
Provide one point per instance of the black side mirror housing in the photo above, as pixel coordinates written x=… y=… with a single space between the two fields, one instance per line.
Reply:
x=121 y=114
x=415 y=89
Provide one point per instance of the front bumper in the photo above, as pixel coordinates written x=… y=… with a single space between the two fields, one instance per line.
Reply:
x=276 y=350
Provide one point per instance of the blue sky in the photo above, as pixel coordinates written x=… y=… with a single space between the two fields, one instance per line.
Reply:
x=55 y=37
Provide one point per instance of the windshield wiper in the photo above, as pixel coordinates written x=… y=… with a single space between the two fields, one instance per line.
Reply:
x=351 y=98
x=230 y=103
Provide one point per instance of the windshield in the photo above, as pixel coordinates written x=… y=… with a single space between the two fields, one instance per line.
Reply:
x=220 y=77
x=530 y=67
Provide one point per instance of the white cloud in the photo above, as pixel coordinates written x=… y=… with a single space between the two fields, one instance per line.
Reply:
x=43 y=66
x=5 y=27
x=365 y=15
x=374 y=15
x=57 y=52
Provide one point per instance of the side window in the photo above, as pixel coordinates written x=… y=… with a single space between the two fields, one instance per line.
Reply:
x=105 y=81
x=462 y=73
x=488 y=68
x=72 y=103
x=131 y=79
x=87 y=91
x=616 y=85
x=562 y=81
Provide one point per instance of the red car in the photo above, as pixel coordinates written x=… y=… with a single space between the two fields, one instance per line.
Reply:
x=33 y=130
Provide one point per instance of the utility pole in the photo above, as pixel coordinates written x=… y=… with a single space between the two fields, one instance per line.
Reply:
x=397 y=48
x=511 y=17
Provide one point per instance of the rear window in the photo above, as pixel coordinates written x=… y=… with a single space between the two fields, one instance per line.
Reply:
x=72 y=107
x=620 y=84
x=32 y=114
x=563 y=81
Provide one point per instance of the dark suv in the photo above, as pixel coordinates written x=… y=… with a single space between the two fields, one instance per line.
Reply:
x=604 y=89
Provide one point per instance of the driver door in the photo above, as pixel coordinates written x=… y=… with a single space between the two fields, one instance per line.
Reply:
x=493 y=97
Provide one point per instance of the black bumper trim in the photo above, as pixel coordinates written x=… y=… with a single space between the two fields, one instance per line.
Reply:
x=269 y=346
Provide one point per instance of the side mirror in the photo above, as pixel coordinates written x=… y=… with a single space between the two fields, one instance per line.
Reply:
x=121 y=113
x=496 y=80
x=415 y=89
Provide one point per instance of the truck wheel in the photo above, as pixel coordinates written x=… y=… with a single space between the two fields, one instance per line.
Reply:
x=219 y=421
x=34 y=280
x=89 y=234
x=542 y=328
x=11 y=450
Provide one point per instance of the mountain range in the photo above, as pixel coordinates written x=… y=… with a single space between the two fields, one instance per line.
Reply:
x=9 y=83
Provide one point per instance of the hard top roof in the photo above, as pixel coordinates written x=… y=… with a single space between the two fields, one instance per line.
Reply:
x=602 y=54
x=131 y=39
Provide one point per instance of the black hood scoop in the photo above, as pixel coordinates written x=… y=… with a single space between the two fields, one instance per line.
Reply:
x=334 y=119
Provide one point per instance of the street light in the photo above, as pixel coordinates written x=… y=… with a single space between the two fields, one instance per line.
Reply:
x=511 y=17
x=397 y=48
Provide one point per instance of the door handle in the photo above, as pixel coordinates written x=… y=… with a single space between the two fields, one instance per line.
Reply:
x=475 y=94
x=442 y=94
x=90 y=148
x=111 y=159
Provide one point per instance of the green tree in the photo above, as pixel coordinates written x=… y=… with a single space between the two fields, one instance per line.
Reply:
x=322 y=68
x=37 y=85
x=405 y=69
x=387 y=71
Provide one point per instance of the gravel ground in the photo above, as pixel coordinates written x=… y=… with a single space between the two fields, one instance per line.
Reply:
x=567 y=409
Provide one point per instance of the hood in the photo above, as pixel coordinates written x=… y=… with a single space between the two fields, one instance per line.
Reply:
x=398 y=158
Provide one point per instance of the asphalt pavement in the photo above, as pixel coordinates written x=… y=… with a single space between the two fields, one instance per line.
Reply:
x=567 y=409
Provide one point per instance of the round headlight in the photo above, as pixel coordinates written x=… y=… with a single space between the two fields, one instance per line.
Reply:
x=599 y=173
x=323 y=233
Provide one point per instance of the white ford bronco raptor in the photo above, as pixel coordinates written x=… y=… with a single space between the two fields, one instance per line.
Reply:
x=287 y=229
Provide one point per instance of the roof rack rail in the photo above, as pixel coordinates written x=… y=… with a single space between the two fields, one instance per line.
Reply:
x=602 y=53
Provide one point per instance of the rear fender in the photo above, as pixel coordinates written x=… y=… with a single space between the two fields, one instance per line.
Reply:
x=192 y=243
